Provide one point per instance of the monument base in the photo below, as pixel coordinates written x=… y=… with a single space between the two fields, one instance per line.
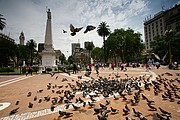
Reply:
x=48 y=59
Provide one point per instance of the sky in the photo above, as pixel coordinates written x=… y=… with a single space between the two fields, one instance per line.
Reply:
x=30 y=16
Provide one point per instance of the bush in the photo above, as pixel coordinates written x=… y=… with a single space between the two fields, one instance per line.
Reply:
x=55 y=69
x=24 y=69
x=48 y=69
x=61 y=68
x=69 y=67
x=6 y=69
x=35 y=69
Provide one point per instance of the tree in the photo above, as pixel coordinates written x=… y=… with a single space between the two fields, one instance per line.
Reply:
x=31 y=44
x=2 y=23
x=7 y=52
x=160 y=47
x=126 y=44
x=103 y=31
x=89 y=47
x=70 y=59
x=97 y=54
x=62 y=58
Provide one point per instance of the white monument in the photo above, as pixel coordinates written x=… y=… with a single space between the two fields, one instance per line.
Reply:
x=48 y=54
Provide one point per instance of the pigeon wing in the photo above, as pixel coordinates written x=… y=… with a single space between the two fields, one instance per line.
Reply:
x=78 y=29
x=71 y=28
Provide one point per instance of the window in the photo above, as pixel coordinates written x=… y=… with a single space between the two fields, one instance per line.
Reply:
x=160 y=20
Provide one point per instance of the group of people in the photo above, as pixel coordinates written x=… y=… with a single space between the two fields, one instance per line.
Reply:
x=76 y=68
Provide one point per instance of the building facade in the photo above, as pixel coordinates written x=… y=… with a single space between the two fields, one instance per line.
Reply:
x=162 y=21
x=74 y=46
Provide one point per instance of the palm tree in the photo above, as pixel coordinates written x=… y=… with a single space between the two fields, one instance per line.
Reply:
x=2 y=23
x=103 y=30
x=31 y=45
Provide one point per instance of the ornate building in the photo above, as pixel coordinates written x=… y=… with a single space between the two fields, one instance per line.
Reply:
x=162 y=21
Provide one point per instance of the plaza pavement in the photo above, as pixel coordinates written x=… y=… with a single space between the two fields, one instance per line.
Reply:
x=13 y=88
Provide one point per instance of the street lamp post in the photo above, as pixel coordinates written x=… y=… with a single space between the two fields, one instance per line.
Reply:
x=169 y=34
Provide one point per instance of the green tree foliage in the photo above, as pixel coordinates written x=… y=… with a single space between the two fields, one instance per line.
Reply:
x=103 y=30
x=160 y=46
x=89 y=47
x=70 y=59
x=7 y=52
x=62 y=58
x=126 y=44
x=2 y=23
x=31 y=44
x=97 y=54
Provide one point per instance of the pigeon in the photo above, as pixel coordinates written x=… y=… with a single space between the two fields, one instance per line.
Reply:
x=30 y=105
x=64 y=31
x=115 y=97
x=97 y=110
x=75 y=107
x=61 y=113
x=17 y=102
x=89 y=28
x=67 y=114
x=52 y=108
x=40 y=100
x=101 y=105
x=101 y=117
x=84 y=104
x=92 y=99
x=67 y=106
x=164 y=112
x=113 y=110
x=90 y=104
x=159 y=116
x=13 y=111
x=52 y=74
x=74 y=30
x=152 y=107
x=125 y=111
x=29 y=94
x=80 y=100
x=149 y=101
x=107 y=102
x=127 y=107
x=135 y=112
x=39 y=91
x=35 y=98
x=144 y=97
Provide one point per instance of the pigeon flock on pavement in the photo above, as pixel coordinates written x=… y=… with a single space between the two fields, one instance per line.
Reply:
x=129 y=90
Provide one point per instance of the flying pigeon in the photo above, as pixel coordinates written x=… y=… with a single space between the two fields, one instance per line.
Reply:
x=74 y=30
x=64 y=31
x=89 y=28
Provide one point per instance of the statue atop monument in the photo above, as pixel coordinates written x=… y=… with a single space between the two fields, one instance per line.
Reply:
x=21 y=38
x=48 y=35
x=49 y=14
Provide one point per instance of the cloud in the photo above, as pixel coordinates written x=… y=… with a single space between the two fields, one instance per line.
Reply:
x=30 y=17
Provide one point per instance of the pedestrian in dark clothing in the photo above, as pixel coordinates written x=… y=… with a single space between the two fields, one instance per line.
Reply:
x=74 y=68
x=29 y=70
x=112 y=65
x=97 y=68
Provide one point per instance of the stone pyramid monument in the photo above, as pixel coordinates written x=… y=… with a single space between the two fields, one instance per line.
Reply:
x=48 y=54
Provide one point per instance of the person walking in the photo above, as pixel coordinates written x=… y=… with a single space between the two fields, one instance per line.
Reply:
x=112 y=65
x=97 y=68
x=74 y=68
x=29 y=70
